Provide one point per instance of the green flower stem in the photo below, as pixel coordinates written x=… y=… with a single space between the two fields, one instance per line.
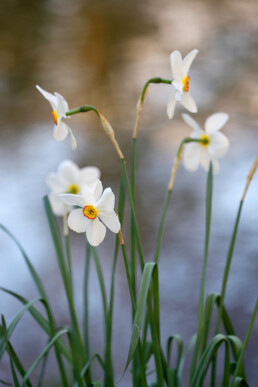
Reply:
x=69 y=263
x=229 y=260
x=241 y=356
x=232 y=244
x=153 y=80
x=82 y=109
x=204 y=269
x=137 y=234
x=132 y=242
x=86 y=301
x=141 y=100
x=227 y=267
x=169 y=192
x=109 y=377
x=140 y=349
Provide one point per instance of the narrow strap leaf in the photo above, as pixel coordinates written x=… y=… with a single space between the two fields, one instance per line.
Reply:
x=140 y=309
x=42 y=354
x=13 y=324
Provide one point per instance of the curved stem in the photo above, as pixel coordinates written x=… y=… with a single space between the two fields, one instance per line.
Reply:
x=141 y=100
x=169 y=192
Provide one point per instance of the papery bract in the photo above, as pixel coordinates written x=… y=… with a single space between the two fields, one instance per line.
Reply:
x=69 y=178
x=96 y=211
x=60 y=107
x=215 y=144
x=180 y=69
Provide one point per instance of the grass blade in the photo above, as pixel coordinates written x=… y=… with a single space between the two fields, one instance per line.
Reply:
x=241 y=356
x=140 y=309
x=43 y=323
x=13 y=324
x=42 y=354
x=180 y=346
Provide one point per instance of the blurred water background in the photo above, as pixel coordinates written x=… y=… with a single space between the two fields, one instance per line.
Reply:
x=101 y=53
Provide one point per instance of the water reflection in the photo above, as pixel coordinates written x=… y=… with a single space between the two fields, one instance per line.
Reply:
x=102 y=53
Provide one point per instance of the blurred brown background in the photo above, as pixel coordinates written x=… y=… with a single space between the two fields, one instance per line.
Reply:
x=101 y=53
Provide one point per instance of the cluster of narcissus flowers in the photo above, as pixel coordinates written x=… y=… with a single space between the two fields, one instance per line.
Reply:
x=71 y=186
x=69 y=178
x=96 y=210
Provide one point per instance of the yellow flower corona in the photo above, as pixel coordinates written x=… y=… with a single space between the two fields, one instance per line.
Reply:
x=55 y=116
x=206 y=140
x=73 y=189
x=185 y=82
x=90 y=212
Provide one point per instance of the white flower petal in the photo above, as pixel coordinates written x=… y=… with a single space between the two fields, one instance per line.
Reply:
x=60 y=131
x=87 y=193
x=191 y=156
x=219 y=145
x=97 y=190
x=77 y=221
x=205 y=158
x=215 y=122
x=176 y=65
x=49 y=97
x=107 y=201
x=57 y=205
x=56 y=184
x=69 y=172
x=188 y=102
x=73 y=200
x=171 y=105
x=89 y=174
x=191 y=122
x=95 y=232
x=110 y=219
x=179 y=87
x=179 y=96
x=188 y=60
x=62 y=105
x=73 y=139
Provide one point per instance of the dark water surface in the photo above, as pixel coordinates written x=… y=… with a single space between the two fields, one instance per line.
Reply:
x=101 y=53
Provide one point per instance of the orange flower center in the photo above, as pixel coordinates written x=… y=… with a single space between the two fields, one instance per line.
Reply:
x=185 y=82
x=90 y=212
x=55 y=116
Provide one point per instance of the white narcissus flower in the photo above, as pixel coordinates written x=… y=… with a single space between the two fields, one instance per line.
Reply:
x=215 y=145
x=60 y=107
x=180 y=69
x=96 y=211
x=69 y=178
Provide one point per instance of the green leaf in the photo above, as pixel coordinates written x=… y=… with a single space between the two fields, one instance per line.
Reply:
x=239 y=382
x=5 y=383
x=184 y=356
x=15 y=379
x=43 y=323
x=206 y=358
x=43 y=294
x=42 y=354
x=13 y=324
x=172 y=377
x=180 y=346
x=140 y=309
x=31 y=268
